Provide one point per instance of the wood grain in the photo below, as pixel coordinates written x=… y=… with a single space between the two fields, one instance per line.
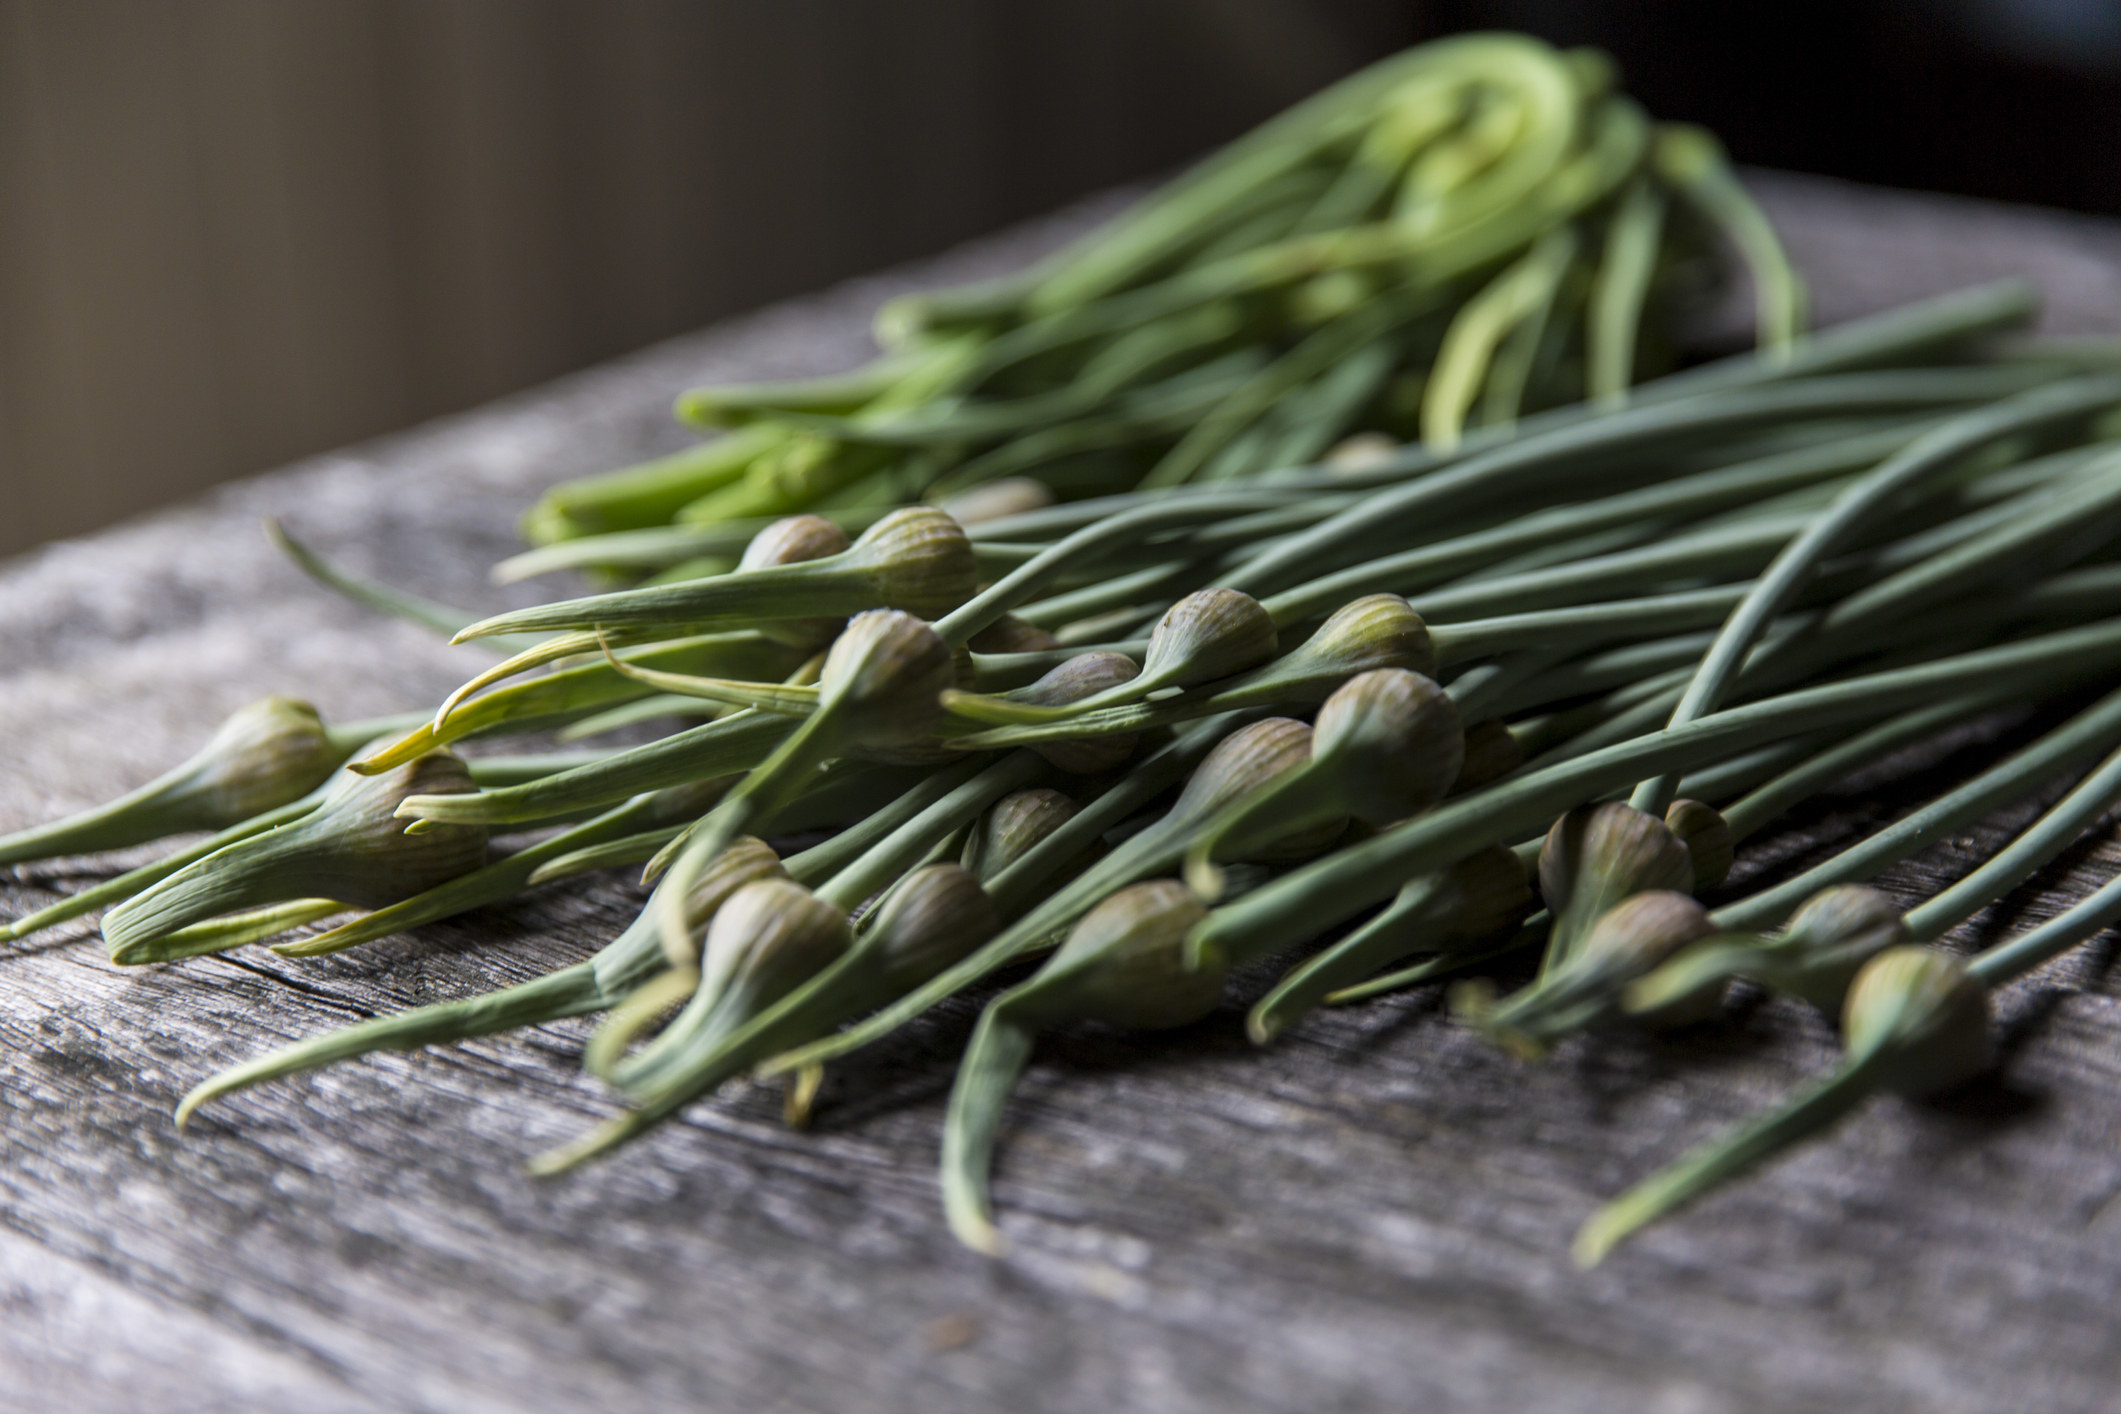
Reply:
x=1373 y=1214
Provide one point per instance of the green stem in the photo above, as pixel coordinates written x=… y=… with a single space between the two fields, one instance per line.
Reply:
x=1000 y=1049
x=2008 y=960
x=1723 y=1159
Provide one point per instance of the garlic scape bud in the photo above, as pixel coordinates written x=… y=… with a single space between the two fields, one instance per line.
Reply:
x=1491 y=752
x=1916 y=1023
x=796 y=540
x=1013 y=827
x=916 y=559
x=1010 y=634
x=1707 y=838
x=602 y=981
x=268 y=754
x=1584 y=990
x=1596 y=856
x=1124 y=965
x=933 y=918
x=351 y=847
x=1239 y=763
x=769 y=937
x=1386 y=745
x=1813 y=958
x=1084 y=676
x=1208 y=635
x=1920 y=1020
x=1444 y=913
x=880 y=688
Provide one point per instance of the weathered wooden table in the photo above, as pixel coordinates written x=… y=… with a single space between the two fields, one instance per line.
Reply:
x=1373 y=1214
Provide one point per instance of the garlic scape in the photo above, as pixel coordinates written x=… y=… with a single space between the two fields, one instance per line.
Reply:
x=2067 y=747
x=787 y=699
x=1916 y=1023
x=917 y=560
x=881 y=687
x=1841 y=926
x=602 y=981
x=619 y=853
x=1386 y=745
x=1239 y=763
x=1209 y=634
x=1445 y=913
x=1122 y=965
x=936 y=916
x=1584 y=989
x=267 y=754
x=1814 y=957
x=793 y=540
x=1379 y=631
x=351 y=847
x=509 y=876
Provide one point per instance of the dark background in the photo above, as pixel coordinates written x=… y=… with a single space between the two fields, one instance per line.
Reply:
x=234 y=232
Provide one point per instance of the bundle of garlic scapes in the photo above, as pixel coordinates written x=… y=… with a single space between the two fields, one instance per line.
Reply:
x=1366 y=719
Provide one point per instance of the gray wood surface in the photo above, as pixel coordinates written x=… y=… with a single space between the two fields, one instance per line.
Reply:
x=1373 y=1214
